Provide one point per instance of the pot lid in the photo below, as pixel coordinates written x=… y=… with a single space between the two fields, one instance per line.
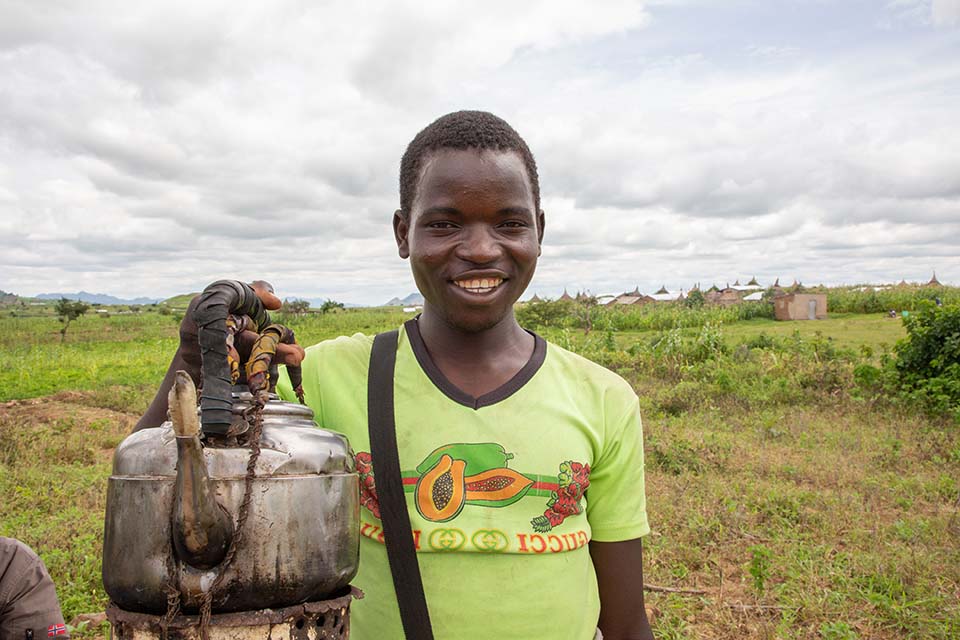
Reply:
x=290 y=445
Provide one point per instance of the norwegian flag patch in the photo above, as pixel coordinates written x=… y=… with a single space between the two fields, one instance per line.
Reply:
x=56 y=630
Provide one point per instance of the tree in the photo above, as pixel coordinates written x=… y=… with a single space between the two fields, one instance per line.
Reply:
x=295 y=307
x=694 y=299
x=928 y=359
x=583 y=312
x=68 y=311
x=330 y=305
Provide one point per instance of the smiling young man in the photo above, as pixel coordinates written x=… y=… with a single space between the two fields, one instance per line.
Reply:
x=522 y=462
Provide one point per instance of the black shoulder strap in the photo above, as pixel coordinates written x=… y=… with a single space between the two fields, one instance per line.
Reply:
x=397 y=533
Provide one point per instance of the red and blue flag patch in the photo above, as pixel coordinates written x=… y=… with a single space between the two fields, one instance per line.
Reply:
x=56 y=630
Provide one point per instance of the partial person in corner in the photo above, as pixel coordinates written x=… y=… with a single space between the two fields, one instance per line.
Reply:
x=29 y=609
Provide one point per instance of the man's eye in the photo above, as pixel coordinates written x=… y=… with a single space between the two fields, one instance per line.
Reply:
x=515 y=224
x=441 y=224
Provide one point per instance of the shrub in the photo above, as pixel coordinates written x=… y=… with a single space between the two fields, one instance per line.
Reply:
x=928 y=359
x=328 y=306
x=550 y=313
x=760 y=341
x=760 y=560
x=709 y=343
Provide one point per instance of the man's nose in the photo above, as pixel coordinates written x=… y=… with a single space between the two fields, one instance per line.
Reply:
x=480 y=244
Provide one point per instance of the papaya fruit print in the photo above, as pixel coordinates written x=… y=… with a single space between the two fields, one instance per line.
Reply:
x=476 y=474
x=441 y=491
x=478 y=456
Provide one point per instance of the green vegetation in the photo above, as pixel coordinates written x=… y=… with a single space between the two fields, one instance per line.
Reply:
x=899 y=298
x=295 y=307
x=179 y=302
x=329 y=306
x=650 y=317
x=67 y=312
x=794 y=487
x=928 y=361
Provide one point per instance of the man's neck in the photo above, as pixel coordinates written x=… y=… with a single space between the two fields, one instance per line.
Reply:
x=445 y=341
x=476 y=362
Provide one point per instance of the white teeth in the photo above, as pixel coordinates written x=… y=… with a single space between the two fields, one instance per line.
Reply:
x=479 y=285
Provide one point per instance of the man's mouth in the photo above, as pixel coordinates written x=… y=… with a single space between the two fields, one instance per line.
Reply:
x=479 y=285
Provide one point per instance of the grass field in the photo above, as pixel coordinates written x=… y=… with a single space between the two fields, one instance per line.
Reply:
x=785 y=500
x=846 y=330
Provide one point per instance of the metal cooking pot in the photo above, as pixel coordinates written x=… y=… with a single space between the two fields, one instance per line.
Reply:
x=300 y=541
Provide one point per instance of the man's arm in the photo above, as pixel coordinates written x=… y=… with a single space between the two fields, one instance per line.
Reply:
x=187 y=358
x=157 y=412
x=619 y=567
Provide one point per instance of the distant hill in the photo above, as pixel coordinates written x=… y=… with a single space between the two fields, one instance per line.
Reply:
x=411 y=300
x=181 y=300
x=318 y=302
x=96 y=298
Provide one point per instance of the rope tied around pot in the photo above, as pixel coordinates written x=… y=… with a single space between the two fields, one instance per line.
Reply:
x=253 y=414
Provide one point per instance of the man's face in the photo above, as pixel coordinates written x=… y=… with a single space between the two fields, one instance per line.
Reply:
x=472 y=237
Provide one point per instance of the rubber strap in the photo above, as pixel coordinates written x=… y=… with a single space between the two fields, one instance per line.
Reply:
x=397 y=533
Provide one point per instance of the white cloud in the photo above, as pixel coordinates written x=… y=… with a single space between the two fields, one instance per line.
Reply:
x=946 y=13
x=136 y=145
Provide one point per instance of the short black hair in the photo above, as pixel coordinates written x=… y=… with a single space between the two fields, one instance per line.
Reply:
x=463 y=130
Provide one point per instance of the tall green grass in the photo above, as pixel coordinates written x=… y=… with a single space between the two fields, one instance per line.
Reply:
x=865 y=299
x=803 y=501
x=131 y=350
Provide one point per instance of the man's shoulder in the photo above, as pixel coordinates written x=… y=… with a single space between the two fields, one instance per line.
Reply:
x=334 y=371
x=344 y=349
x=13 y=551
x=587 y=372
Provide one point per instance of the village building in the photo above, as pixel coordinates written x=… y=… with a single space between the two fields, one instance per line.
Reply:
x=800 y=306
x=750 y=287
x=777 y=289
x=663 y=295
x=632 y=297
x=566 y=296
x=732 y=294
x=933 y=281
x=712 y=295
x=728 y=296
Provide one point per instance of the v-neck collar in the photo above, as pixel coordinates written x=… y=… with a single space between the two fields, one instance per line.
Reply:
x=460 y=396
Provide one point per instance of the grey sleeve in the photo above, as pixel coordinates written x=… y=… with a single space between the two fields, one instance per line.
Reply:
x=28 y=598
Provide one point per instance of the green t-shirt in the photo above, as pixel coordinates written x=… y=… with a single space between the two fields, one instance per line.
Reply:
x=504 y=491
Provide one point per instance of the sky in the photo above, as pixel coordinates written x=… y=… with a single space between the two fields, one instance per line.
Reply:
x=147 y=149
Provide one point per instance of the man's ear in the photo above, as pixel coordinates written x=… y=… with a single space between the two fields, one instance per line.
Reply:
x=401 y=227
x=541 y=220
